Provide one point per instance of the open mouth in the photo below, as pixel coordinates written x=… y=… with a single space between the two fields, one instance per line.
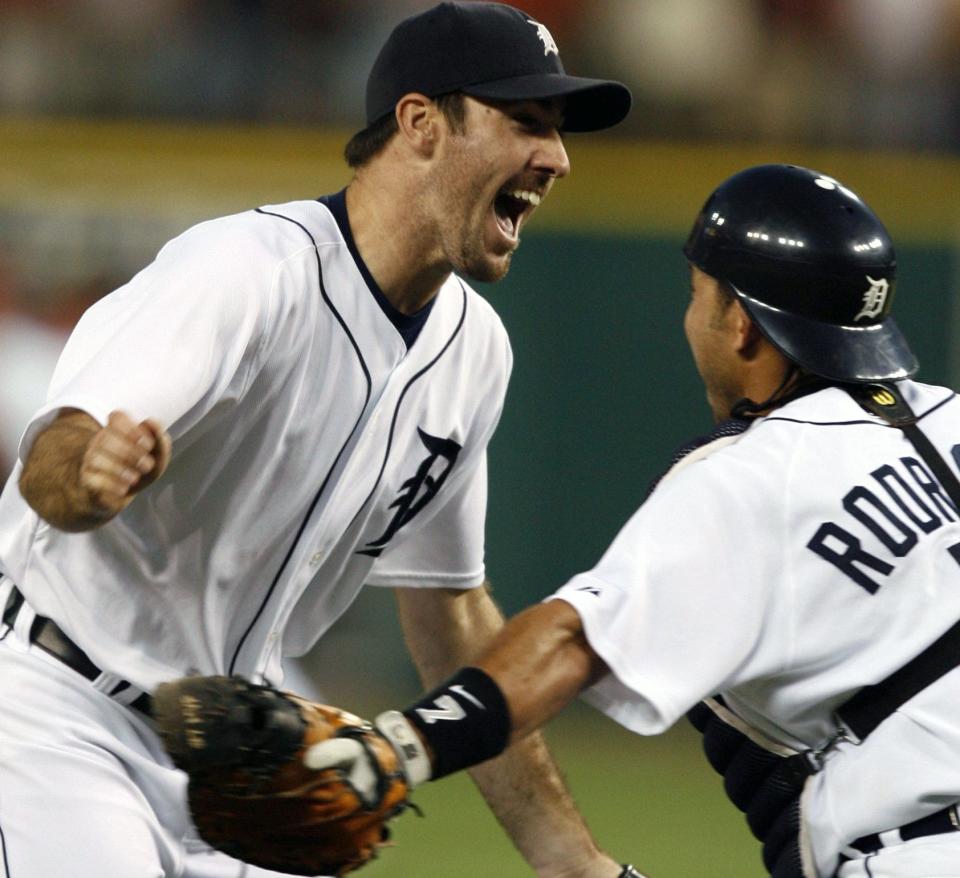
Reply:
x=512 y=206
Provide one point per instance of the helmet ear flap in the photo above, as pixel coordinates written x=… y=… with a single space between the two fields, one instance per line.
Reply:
x=813 y=267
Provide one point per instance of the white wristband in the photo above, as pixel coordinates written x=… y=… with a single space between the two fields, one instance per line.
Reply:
x=414 y=758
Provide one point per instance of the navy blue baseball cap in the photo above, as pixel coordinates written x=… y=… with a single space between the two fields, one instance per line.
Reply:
x=491 y=51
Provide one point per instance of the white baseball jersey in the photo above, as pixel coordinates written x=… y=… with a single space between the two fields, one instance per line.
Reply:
x=814 y=554
x=312 y=451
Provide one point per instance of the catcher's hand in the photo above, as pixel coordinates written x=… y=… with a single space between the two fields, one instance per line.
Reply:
x=251 y=794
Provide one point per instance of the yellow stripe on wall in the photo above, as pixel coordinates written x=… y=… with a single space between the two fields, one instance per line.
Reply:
x=661 y=186
x=617 y=186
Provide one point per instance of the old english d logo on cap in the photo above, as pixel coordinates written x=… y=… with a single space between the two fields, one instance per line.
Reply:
x=549 y=44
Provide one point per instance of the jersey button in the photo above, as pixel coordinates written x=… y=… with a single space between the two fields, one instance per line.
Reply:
x=315 y=559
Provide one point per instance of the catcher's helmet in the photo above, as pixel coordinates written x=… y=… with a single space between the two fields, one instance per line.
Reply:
x=813 y=266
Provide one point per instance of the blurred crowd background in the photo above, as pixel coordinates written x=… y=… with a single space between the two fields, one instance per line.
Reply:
x=854 y=72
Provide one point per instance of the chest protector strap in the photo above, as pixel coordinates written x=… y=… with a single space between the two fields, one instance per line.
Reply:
x=764 y=778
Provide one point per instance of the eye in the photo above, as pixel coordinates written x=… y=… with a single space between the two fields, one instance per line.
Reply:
x=532 y=123
x=525 y=120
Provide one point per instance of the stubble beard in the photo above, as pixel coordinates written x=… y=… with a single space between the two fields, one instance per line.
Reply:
x=483 y=269
x=465 y=245
x=469 y=258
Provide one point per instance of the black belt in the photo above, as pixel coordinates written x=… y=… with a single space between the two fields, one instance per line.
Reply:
x=46 y=634
x=934 y=824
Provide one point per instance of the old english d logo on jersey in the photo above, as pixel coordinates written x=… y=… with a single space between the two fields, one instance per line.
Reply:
x=417 y=491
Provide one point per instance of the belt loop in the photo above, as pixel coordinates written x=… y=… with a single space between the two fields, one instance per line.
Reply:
x=106 y=683
x=7 y=596
x=890 y=838
x=26 y=616
x=127 y=694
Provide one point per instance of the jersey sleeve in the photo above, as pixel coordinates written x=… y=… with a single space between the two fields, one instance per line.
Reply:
x=177 y=339
x=446 y=553
x=679 y=606
x=448 y=550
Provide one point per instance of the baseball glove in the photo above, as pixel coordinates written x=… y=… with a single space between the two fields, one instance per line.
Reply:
x=250 y=794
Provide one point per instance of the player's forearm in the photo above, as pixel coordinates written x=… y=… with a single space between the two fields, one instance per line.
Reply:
x=527 y=794
x=541 y=662
x=540 y=659
x=445 y=628
x=50 y=481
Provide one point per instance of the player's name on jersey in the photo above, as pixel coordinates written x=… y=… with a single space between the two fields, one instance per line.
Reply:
x=900 y=506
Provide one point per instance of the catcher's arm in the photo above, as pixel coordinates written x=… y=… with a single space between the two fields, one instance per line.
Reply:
x=447 y=629
x=537 y=664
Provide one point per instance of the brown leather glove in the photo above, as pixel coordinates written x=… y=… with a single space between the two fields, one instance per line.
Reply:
x=251 y=795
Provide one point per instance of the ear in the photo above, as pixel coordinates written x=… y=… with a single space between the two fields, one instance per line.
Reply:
x=748 y=340
x=418 y=122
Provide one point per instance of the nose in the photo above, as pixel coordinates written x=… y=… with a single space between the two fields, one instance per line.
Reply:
x=552 y=156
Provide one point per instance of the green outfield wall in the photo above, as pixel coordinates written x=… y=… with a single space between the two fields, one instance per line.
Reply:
x=604 y=389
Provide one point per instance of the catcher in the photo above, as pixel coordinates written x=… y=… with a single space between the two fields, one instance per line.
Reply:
x=798 y=569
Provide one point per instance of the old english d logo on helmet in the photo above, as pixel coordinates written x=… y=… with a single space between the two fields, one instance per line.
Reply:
x=875 y=298
x=812 y=265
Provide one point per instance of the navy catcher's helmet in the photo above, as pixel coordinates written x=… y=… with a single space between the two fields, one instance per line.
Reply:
x=813 y=266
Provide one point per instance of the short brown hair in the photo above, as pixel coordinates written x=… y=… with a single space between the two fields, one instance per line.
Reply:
x=728 y=294
x=369 y=142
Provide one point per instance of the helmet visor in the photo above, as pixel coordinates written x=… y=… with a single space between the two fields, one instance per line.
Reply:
x=878 y=352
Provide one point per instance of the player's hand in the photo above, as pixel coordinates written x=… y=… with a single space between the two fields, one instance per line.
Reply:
x=357 y=762
x=121 y=459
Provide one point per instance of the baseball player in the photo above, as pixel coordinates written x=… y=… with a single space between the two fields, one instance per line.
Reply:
x=287 y=404
x=800 y=569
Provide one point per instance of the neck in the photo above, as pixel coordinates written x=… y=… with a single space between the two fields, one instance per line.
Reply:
x=794 y=383
x=393 y=237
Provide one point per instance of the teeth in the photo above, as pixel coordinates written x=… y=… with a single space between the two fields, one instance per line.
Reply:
x=527 y=195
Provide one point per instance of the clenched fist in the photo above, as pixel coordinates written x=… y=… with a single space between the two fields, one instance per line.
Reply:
x=79 y=474
x=122 y=459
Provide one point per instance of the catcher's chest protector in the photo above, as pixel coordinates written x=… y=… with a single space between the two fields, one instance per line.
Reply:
x=764 y=780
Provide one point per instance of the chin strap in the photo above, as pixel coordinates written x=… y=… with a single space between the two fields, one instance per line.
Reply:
x=805 y=383
x=747 y=408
